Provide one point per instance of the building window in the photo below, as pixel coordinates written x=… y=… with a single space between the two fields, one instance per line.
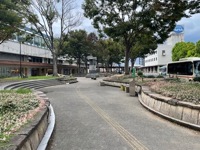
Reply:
x=37 y=41
x=163 y=53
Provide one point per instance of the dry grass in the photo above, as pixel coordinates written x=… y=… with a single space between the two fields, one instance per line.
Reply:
x=184 y=91
x=16 y=108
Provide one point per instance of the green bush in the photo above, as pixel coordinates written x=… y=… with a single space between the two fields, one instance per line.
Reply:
x=149 y=76
x=159 y=76
x=173 y=79
x=197 y=79
x=140 y=73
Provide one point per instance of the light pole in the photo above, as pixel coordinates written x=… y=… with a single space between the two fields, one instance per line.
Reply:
x=20 y=59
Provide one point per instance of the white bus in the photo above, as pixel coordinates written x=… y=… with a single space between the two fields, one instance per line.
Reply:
x=186 y=68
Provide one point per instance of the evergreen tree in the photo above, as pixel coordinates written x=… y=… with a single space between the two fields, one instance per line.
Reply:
x=78 y=47
x=127 y=19
x=183 y=50
x=194 y=6
x=198 y=49
x=11 y=17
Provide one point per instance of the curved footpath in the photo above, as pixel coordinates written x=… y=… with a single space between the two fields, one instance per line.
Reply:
x=37 y=133
x=93 y=117
x=183 y=113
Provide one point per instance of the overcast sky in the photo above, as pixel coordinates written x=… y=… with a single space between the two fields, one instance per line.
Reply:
x=191 y=25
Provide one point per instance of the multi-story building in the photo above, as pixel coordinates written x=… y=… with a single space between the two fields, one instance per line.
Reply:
x=32 y=57
x=163 y=54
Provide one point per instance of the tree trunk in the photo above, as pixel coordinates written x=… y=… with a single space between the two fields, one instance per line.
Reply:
x=132 y=63
x=86 y=66
x=126 y=67
x=107 y=68
x=55 y=69
x=79 y=65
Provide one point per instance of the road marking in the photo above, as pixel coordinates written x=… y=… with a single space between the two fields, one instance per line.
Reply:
x=128 y=137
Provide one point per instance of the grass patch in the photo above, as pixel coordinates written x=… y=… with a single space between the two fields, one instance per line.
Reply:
x=19 y=91
x=23 y=91
x=11 y=79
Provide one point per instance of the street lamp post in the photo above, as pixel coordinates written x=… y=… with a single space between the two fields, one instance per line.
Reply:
x=20 y=59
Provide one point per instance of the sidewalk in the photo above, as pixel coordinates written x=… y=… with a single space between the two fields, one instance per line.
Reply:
x=90 y=117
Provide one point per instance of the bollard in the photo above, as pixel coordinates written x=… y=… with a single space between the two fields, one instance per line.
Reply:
x=127 y=89
x=132 y=87
x=121 y=87
x=102 y=83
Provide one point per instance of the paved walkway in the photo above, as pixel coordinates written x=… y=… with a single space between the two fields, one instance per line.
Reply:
x=90 y=117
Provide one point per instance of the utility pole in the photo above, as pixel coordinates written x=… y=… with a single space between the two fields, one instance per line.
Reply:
x=20 y=59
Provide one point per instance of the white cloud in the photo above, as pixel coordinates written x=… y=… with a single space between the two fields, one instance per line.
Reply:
x=192 y=28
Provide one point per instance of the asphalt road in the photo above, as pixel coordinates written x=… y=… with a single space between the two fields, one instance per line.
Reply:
x=93 y=117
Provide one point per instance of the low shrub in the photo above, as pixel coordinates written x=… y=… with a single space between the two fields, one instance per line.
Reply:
x=149 y=76
x=197 y=79
x=14 y=109
x=184 y=91
x=140 y=73
x=160 y=76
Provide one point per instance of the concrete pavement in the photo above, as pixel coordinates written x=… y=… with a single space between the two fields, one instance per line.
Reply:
x=92 y=117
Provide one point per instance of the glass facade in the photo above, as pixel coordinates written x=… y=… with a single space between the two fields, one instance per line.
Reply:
x=33 y=41
x=8 y=71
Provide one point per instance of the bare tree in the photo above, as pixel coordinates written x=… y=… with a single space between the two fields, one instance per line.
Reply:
x=45 y=14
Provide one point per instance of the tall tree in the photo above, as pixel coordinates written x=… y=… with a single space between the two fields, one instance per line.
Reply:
x=182 y=50
x=145 y=44
x=78 y=46
x=198 y=49
x=126 y=19
x=108 y=52
x=45 y=14
x=194 y=6
x=11 y=17
x=99 y=51
x=115 y=54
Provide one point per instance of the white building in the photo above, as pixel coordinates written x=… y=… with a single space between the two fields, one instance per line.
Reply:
x=163 y=54
x=31 y=57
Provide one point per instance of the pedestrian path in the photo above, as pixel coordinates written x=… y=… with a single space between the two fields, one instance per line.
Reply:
x=91 y=117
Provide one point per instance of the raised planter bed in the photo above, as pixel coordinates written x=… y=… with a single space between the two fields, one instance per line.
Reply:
x=30 y=136
x=184 y=113
x=66 y=80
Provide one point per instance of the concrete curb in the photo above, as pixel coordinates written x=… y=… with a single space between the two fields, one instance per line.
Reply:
x=44 y=143
x=183 y=113
x=114 y=84
x=184 y=123
x=30 y=135
x=69 y=81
